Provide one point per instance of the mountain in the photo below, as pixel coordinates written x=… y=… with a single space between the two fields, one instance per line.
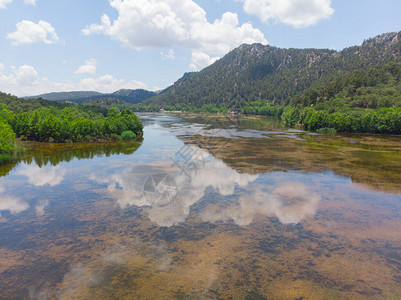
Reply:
x=132 y=96
x=126 y=95
x=66 y=96
x=267 y=74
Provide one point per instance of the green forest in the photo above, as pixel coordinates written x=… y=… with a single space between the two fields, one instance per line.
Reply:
x=47 y=121
x=359 y=101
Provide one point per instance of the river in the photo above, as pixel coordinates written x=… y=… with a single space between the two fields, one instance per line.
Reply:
x=204 y=207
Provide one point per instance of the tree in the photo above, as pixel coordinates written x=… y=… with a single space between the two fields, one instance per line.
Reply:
x=7 y=137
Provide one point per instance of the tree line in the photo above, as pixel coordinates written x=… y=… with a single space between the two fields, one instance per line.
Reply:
x=59 y=123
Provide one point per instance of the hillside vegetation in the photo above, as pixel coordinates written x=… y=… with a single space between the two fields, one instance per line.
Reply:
x=360 y=101
x=271 y=75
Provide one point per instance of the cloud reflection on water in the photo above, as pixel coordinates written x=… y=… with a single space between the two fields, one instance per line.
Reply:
x=10 y=203
x=126 y=187
x=37 y=176
x=40 y=176
x=215 y=175
x=290 y=202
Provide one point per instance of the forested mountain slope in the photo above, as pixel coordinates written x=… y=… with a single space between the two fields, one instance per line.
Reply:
x=274 y=75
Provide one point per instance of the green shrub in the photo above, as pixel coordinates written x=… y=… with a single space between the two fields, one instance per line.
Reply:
x=327 y=130
x=128 y=135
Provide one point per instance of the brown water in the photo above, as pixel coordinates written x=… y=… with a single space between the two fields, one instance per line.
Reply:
x=204 y=208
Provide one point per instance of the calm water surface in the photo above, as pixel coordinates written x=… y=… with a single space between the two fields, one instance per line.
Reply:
x=204 y=208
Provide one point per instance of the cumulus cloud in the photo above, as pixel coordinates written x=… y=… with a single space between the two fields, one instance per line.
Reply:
x=296 y=13
x=170 y=23
x=1 y=67
x=25 y=81
x=200 y=60
x=89 y=67
x=26 y=75
x=3 y=3
x=224 y=34
x=29 y=32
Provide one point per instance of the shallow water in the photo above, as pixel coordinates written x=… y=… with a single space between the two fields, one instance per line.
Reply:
x=204 y=207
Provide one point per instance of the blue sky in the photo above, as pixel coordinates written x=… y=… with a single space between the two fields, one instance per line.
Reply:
x=105 y=45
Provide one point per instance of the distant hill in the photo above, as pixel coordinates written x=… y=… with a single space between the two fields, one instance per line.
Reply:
x=22 y=104
x=106 y=102
x=66 y=96
x=266 y=74
x=126 y=95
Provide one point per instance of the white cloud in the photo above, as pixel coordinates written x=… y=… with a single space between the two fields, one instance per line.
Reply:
x=1 y=67
x=108 y=83
x=296 y=13
x=3 y=3
x=169 y=55
x=25 y=81
x=200 y=60
x=29 y=32
x=26 y=75
x=223 y=35
x=170 y=23
x=88 y=68
x=31 y=2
